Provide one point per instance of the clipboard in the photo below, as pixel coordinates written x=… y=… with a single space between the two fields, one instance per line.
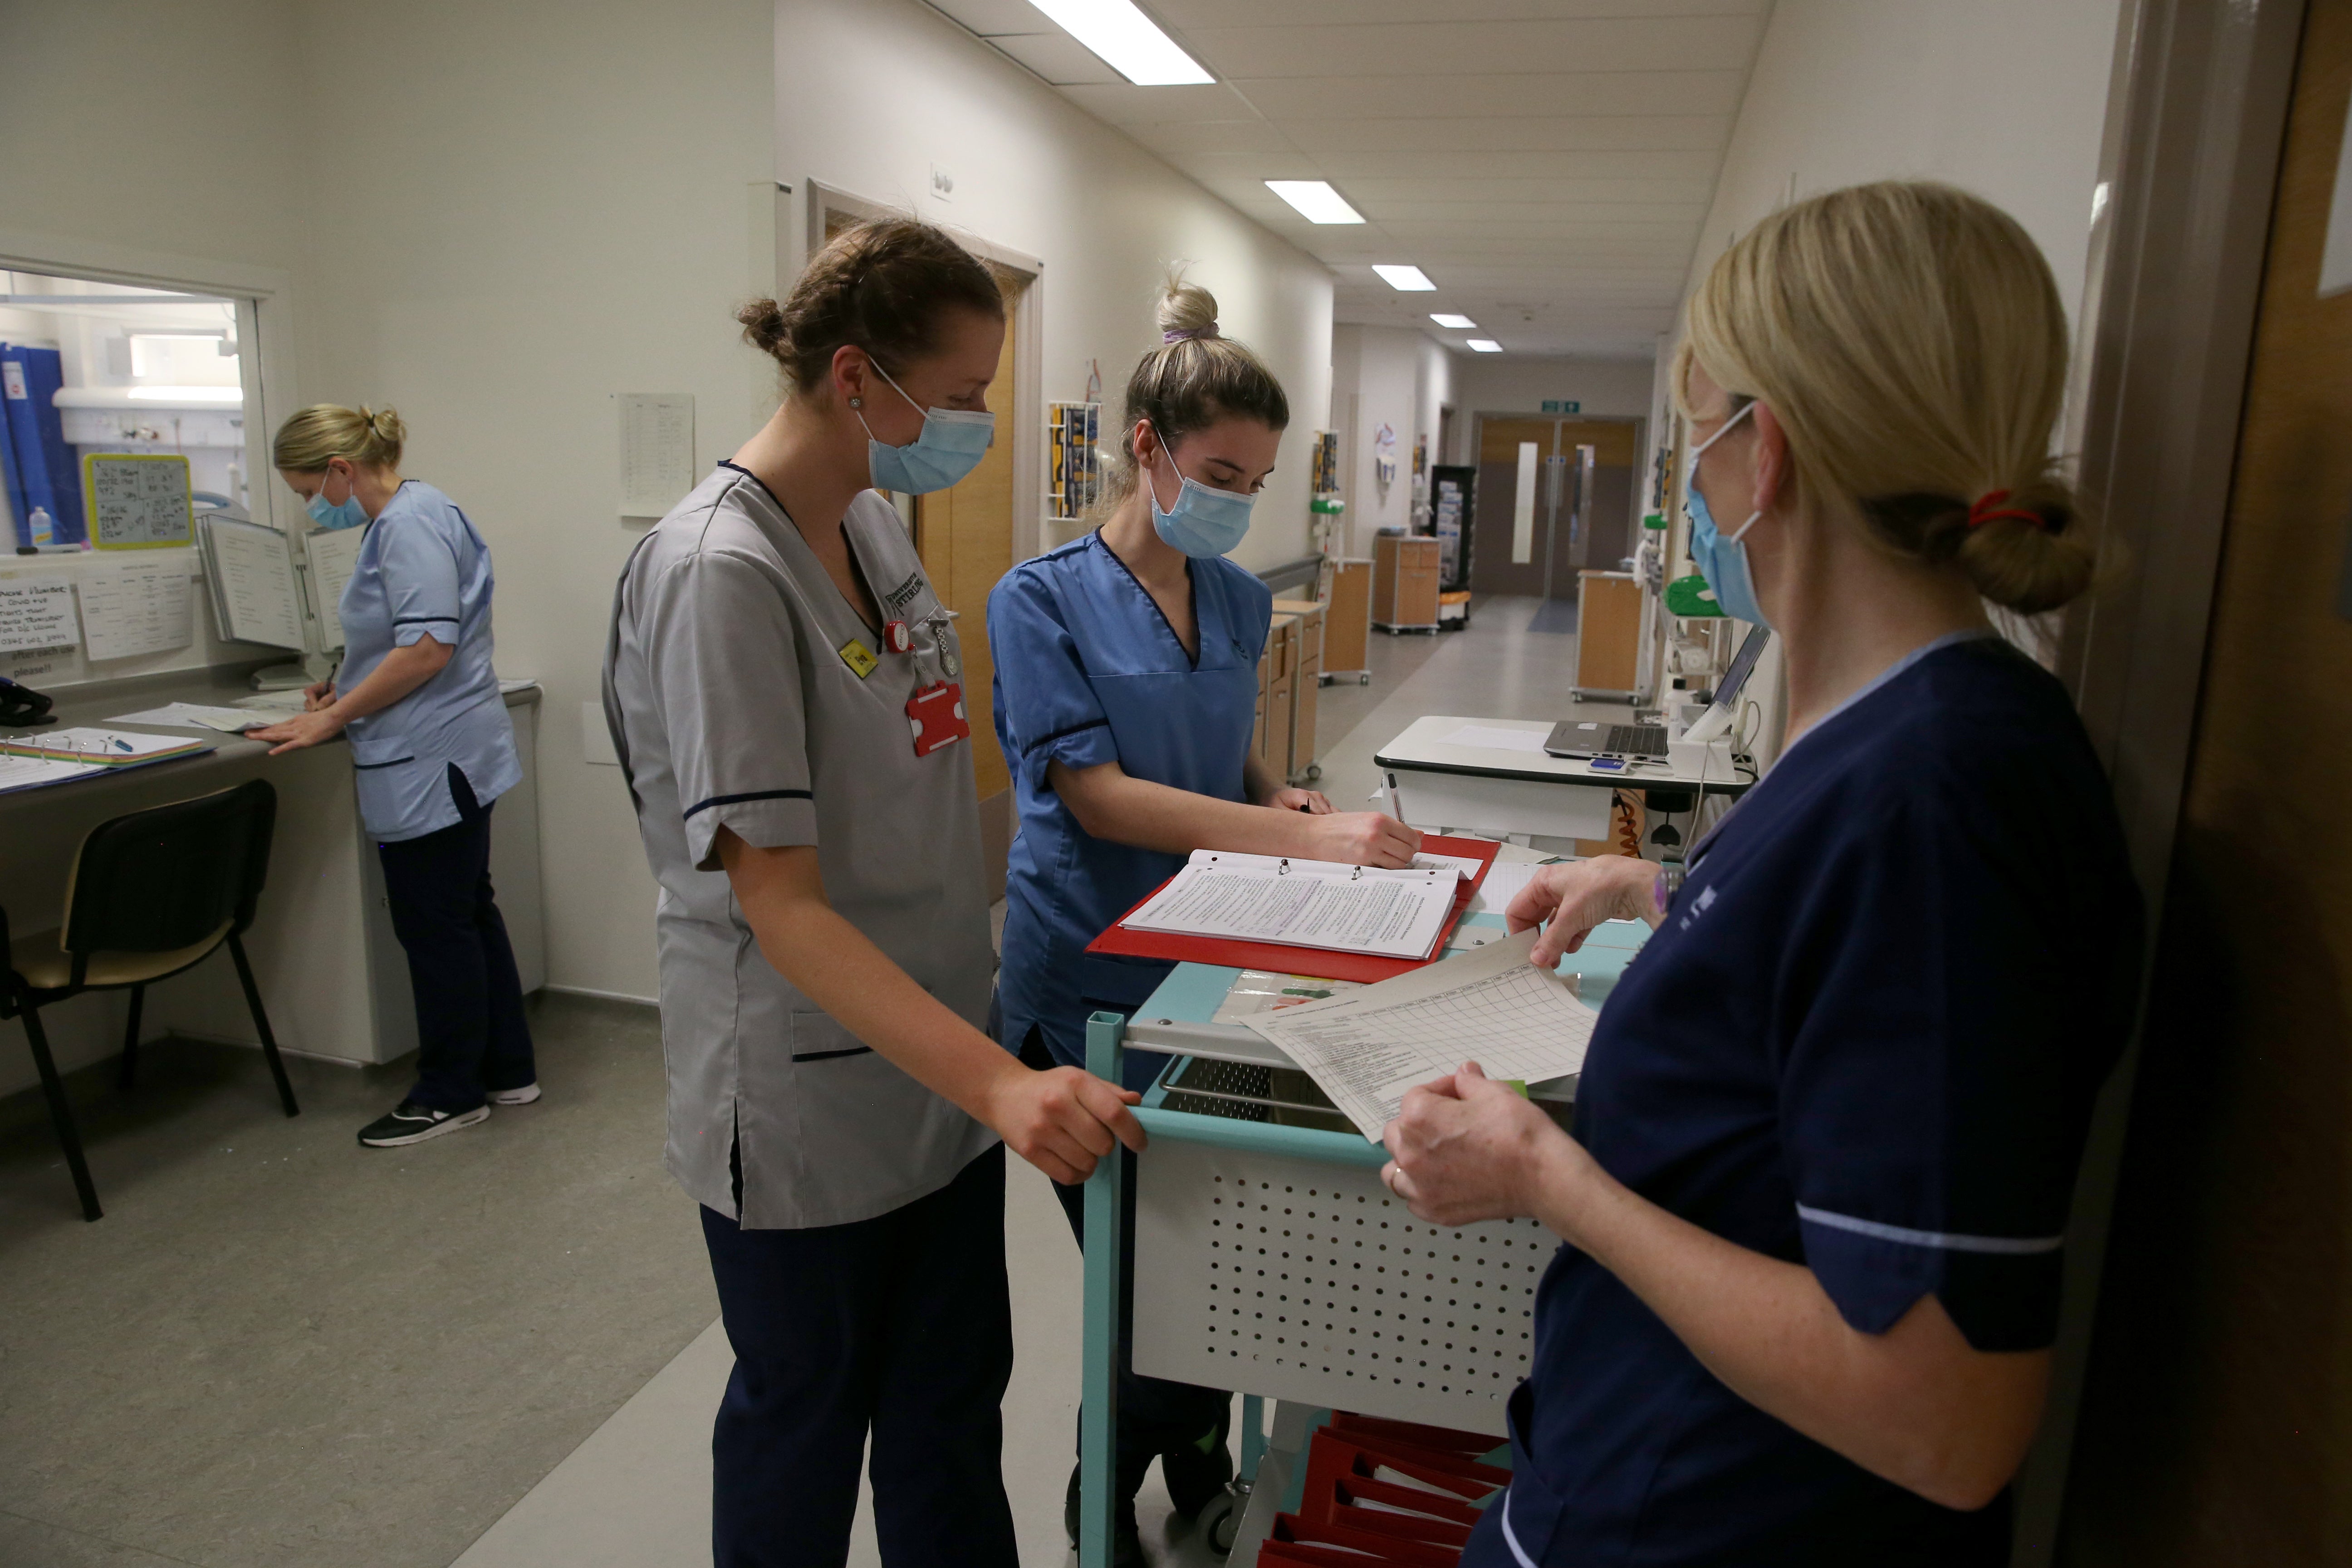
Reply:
x=1326 y=963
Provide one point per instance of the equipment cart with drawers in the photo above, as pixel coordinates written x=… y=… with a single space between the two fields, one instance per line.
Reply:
x=1270 y=1259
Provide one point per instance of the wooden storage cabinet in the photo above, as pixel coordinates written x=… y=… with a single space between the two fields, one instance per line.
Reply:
x=1278 y=671
x=1348 y=620
x=1404 y=583
x=1305 y=680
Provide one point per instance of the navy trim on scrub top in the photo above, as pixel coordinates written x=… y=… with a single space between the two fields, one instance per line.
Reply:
x=751 y=795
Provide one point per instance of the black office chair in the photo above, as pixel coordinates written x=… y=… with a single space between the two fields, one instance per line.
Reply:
x=151 y=894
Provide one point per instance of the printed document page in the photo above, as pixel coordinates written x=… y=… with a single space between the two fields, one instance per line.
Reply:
x=1303 y=903
x=1365 y=1048
x=334 y=553
x=255 y=583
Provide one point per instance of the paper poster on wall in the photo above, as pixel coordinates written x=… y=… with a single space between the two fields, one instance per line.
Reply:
x=656 y=450
x=139 y=501
x=146 y=607
x=38 y=612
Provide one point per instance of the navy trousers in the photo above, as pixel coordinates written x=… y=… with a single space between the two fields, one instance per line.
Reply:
x=471 y=1036
x=899 y=1326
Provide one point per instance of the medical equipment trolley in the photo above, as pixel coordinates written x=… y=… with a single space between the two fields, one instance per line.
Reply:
x=1270 y=1259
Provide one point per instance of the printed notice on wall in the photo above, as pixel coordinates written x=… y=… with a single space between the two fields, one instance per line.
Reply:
x=144 y=607
x=38 y=612
x=656 y=450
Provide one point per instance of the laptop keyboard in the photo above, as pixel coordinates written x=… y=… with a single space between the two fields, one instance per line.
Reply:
x=1637 y=740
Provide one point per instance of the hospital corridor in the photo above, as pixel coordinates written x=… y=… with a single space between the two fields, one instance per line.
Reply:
x=1175 y=783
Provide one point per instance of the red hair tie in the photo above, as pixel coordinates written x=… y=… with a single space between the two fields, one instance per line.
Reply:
x=1988 y=508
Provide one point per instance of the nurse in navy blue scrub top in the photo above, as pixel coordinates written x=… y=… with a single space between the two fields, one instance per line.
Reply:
x=1126 y=692
x=1827 y=1133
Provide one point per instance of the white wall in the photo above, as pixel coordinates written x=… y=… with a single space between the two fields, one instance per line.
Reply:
x=519 y=210
x=499 y=215
x=113 y=105
x=2004 y=98
x=1390 y=376
x=1498 y=383
x=871 y=94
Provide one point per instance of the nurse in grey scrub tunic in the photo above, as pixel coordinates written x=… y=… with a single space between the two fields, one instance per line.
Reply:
x=783 y=688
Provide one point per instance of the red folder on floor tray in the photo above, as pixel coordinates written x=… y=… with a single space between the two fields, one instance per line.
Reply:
x=1282 y=957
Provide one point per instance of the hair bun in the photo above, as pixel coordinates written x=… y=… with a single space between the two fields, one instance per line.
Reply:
x=764 y=325
x=1186 y=311
x=386 y=424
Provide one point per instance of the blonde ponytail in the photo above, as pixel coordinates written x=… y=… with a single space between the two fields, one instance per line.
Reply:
x=1909 y=337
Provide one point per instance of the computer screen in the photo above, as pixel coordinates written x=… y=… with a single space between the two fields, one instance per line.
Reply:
x=1727 y=690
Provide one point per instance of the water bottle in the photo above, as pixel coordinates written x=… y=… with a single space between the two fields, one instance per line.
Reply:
x=44 y=528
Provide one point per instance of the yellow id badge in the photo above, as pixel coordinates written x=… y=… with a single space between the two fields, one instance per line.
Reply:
x=856 y=654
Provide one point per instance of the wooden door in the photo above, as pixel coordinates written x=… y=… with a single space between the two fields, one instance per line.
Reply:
x=965 y=537
x=2217 y=1417
x=1608 y=521
x=1507 y=450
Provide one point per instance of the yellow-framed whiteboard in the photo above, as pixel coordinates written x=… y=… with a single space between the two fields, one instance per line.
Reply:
x=138 y=500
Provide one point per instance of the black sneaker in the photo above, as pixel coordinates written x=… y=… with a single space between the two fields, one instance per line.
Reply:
x=409 y=1122
x=1126 y=1539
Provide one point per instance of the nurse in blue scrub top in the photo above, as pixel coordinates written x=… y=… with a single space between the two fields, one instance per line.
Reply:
x=1827 y=1131
x=1126 y=692
x=432 y=751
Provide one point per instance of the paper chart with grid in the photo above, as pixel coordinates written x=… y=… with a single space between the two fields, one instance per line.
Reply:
x=1367 y=1049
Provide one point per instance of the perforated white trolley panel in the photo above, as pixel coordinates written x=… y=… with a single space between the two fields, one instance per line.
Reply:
x=1311 y=1282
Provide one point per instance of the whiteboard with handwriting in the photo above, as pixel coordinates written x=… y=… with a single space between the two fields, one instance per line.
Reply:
x=139 y=501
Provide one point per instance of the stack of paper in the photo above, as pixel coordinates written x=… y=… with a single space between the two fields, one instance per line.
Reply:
x=1366 y=1049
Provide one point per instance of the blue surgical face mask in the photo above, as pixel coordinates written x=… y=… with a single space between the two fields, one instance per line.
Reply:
x=344 y=513
x=951 y=445
x=1203 y=521
x=1722 y=559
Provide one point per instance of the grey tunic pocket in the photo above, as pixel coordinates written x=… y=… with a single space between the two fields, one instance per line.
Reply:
x=856 y=1117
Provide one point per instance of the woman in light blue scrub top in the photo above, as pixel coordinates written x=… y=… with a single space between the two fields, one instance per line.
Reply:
x=1126 y=691
x=432 y=749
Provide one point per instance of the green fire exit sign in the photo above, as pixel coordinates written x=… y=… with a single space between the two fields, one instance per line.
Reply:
x=1561 y=406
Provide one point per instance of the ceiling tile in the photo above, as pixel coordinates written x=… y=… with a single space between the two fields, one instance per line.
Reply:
x=1491 y=95
x=1697 y=165
x=1126 y=104
x=988 y=17
x=1473 y=183
x=1517 y=134
x=1212 y=138
x=1057 y=57
x=1595 y=45
x=1191 y=14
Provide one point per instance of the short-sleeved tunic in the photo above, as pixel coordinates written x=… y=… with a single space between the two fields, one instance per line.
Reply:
x=1866 y=1040
x=732 y=705
x=1088 y=671
x=423 y=571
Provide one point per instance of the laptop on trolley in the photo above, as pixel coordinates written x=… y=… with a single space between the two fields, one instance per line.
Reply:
x=1585 y=742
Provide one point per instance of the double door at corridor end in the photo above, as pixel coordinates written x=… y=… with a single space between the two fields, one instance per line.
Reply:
x=1554 y=496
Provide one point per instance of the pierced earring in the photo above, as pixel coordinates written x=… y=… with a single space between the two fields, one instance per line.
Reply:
x=858 y=403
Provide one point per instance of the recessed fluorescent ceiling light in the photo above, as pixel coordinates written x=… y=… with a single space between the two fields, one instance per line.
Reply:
x=1446 y=319
x=1128 y=41
x=1316 y=201
x=1410 y=278
x=1484 y=346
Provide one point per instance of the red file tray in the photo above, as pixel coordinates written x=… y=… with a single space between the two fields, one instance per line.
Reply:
x=1322 y=963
